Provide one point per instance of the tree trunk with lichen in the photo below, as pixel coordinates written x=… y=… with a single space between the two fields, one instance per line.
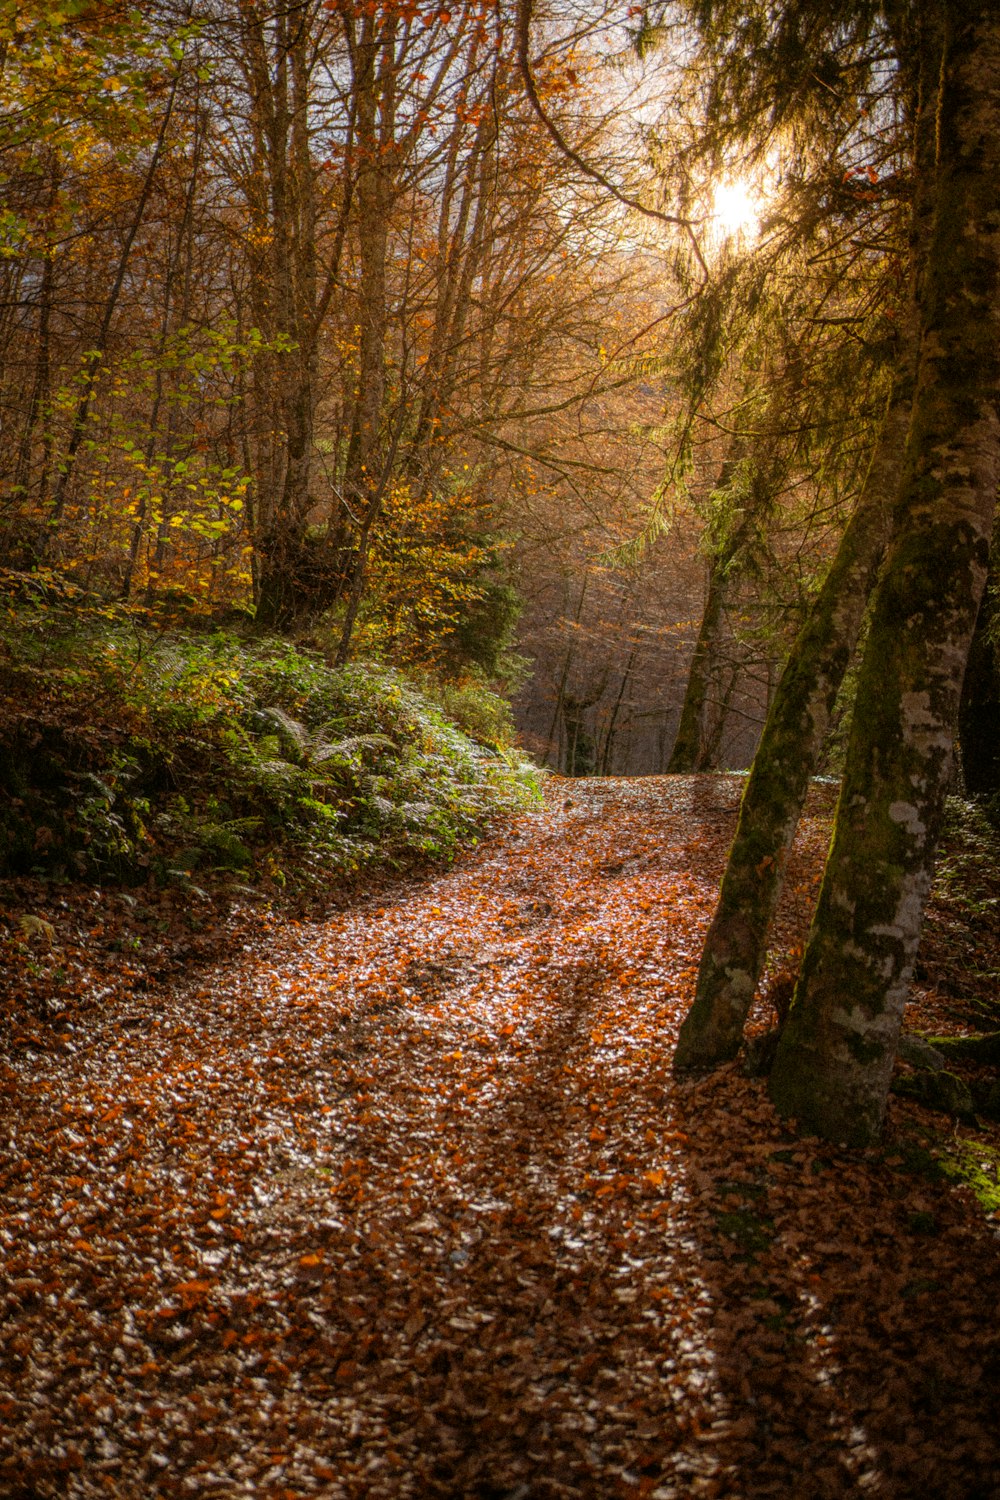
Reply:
x=788 y=754
x=835 y=1057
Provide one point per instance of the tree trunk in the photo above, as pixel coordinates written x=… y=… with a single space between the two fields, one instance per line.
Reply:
x=692 y=746
x=581 y=759
x=789 y=751
x=686 y=755
x=298 y=572
x=374 y=83
x=835 y=1057
x=38 y=403
x=608 y=750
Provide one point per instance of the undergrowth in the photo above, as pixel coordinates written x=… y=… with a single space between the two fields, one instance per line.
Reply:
x=129 y=754
x=961 y=938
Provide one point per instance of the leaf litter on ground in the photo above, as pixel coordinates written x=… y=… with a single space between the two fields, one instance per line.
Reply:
x=405 y=1202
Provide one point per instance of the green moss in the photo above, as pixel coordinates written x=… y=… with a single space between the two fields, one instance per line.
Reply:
x=751 y=1231
x=939 y=1158
x=978 y=1165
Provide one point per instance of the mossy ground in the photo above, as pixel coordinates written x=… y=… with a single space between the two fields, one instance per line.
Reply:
x=940 y=1156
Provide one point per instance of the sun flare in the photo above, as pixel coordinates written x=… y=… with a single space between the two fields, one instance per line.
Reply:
x=735 y=208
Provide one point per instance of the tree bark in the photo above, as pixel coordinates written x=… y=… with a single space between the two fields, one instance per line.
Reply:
x=788 y=754
x=608 y=749
x=376 y=114
x=297 y=572
x=835 y=1057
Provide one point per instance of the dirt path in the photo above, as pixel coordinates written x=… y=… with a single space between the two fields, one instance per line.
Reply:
x=408 y=1204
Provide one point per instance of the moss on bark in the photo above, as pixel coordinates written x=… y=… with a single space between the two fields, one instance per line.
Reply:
x=787 y=757
x=834 y=1062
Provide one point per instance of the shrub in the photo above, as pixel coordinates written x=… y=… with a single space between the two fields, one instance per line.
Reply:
x=131 y=753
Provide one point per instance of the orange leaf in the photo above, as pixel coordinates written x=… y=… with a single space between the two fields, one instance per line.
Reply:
x=193 y=1288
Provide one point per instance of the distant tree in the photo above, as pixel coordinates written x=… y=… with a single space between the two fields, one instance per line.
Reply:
x=287 y=289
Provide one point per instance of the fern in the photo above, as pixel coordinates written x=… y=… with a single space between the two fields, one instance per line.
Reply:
x=304 y=747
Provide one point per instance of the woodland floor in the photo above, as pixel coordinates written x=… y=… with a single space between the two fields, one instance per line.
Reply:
x=405 y=1202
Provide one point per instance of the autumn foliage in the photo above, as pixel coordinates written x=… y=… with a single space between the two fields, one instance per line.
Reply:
x=406 y=1201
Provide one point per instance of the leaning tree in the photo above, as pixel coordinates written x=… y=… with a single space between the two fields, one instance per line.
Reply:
x=942 y=60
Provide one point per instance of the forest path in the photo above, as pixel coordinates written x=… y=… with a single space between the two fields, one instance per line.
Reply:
x=406 y=1203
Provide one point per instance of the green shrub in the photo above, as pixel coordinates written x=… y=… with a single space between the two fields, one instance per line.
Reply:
x=144 y=753
x=475 y=708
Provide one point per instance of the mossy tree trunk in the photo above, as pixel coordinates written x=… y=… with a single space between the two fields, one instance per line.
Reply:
x=835 y=1057
x=788 y=754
